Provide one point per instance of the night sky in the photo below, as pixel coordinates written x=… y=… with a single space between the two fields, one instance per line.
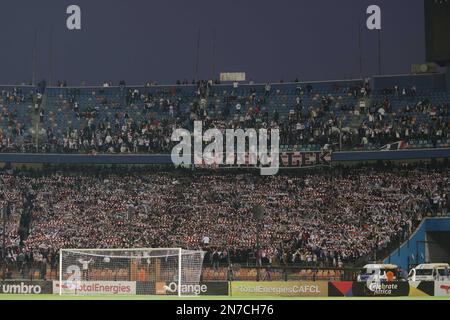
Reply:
x=141 y=40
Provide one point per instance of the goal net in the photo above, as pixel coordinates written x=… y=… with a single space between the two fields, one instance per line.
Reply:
x=151 y=271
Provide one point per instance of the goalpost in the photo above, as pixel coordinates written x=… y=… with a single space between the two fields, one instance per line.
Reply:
x=147 y=271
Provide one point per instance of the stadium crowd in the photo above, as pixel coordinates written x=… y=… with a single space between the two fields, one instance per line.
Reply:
x=314 y=118
x=331 y=218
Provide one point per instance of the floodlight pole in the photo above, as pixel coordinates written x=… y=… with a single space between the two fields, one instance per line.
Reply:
x=197 y=58
x=379 y=53
x=360 y=50
x=214 y=55
x=34 y=59
x=50 y=76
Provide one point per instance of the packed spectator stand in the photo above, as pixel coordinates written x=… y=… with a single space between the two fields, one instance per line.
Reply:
x=327 y=219
x=323 y=219
x=345 y=115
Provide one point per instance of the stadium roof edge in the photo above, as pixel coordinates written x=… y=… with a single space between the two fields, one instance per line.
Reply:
x=17 y=85
x=217 y=85
x=407 y=75
x=241 y=84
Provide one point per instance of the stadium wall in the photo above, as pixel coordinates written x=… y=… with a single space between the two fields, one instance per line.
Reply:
x=416 y=250
x=141 y=159
x=86 y=159
x=390 y=155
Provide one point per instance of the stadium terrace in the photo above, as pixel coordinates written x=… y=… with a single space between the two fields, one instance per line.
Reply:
x=198 y=226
